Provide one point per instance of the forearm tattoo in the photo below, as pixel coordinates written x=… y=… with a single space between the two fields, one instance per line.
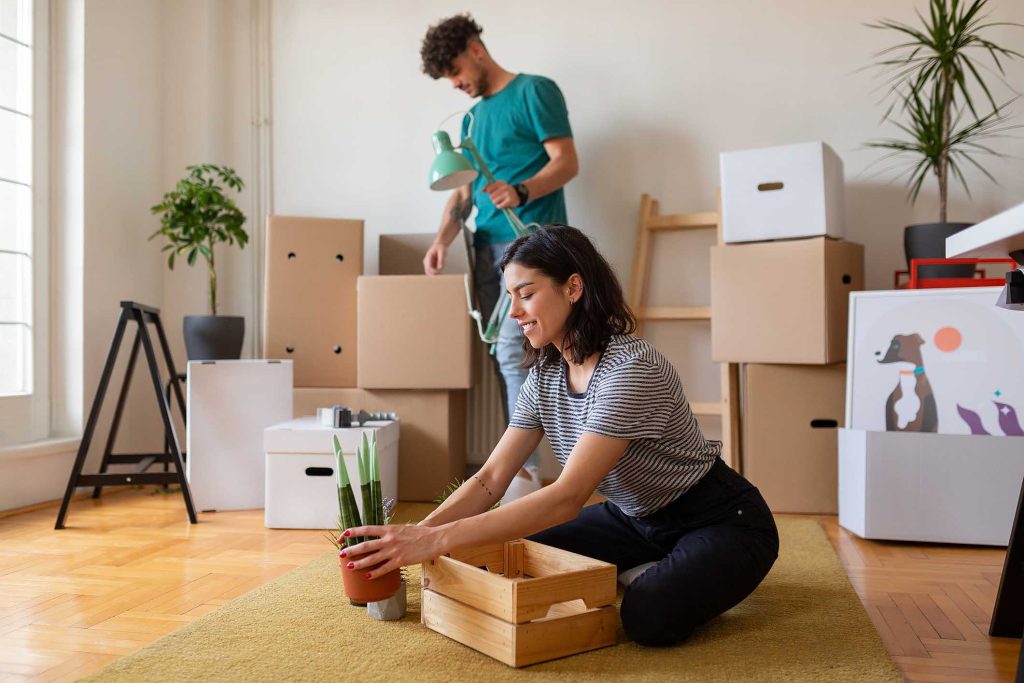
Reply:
x=460 y=210
x=480 y=481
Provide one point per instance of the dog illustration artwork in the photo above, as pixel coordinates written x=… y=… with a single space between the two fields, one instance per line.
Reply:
x=911 y=405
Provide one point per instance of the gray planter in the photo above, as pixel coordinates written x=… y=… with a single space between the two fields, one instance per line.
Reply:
x=391 y=609
x=214 y=337
x=928 y=240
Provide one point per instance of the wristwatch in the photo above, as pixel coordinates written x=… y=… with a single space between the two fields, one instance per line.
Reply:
x=523 y=191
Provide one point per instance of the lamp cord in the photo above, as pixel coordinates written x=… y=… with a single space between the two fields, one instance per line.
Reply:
x=469 y=131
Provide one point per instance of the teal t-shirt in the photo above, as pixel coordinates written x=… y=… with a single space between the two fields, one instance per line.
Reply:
x=509 y=130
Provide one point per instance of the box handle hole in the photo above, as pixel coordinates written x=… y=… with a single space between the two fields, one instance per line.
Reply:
x=769 y=187
x=291 y=255
x=824 y=424
x=339 y=258
x=289 y=349
x=319 y=472
x=337 y=349
x=847 y=279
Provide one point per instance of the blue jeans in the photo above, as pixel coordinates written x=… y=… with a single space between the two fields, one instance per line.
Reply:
x=509 y=354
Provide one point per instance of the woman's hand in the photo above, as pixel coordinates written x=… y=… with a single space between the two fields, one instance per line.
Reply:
x=397 y=546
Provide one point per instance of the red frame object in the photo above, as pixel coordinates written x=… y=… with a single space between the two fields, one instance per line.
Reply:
x=915 y=282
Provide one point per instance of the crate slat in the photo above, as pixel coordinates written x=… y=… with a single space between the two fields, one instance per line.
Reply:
x=532 y=599
x=484 y=590
x=524 y=644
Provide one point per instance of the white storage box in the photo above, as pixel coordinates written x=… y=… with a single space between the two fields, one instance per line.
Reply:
x=230 y=403
x=783 y=192
x=946 y=361
x=302 y=492
x=939 y=488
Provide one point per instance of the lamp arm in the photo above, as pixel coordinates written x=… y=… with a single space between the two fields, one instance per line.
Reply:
x=517 y=224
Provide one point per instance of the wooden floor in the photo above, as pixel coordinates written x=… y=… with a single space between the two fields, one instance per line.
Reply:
x=129 y=569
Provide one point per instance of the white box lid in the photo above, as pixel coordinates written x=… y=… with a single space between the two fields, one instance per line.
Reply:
x=307 y=435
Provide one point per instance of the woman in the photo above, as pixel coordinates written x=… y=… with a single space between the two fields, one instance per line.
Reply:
x=614 y=411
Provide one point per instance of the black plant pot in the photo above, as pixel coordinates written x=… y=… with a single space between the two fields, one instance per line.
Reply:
x=214 y=337
x=928 y=240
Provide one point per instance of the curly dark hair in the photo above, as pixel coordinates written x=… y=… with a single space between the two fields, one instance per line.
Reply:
x=446 y=40
x=559 y=251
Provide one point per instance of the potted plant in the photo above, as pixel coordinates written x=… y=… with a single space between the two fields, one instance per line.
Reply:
x=376 y=510
x=195 y=217
x=931 y=76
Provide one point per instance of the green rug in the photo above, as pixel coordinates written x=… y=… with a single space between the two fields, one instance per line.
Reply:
x=804 y=623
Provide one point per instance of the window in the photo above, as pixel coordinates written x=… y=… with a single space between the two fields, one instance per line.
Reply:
x=24 y=413
x=15 y=197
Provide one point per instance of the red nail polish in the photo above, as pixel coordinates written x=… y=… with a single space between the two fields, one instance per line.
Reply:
x=351 y=565
x=347 y=533
x=367 y=576
x=343 y=554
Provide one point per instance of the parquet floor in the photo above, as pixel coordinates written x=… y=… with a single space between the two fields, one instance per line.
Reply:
x=129 y=569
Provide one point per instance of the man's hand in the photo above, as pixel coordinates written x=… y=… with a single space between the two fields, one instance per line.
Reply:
x=502 y=194
x=433 y=262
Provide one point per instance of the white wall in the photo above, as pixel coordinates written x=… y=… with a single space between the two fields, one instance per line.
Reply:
x=656 y=90
x=135 y=101
x=122 y=151
x=205 y=74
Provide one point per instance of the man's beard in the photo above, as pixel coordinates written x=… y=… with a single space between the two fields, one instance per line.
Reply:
x=482 y=85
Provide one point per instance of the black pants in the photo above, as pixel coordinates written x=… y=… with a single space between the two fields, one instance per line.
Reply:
x=713 y=546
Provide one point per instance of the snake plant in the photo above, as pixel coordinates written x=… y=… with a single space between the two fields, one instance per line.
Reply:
x=376 y=508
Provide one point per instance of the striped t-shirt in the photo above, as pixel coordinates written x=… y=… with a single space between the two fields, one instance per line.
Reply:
x=633 y=394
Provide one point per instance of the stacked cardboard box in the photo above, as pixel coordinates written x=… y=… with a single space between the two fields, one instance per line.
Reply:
x=780 y=288
x=379 y=343
x=415 y=355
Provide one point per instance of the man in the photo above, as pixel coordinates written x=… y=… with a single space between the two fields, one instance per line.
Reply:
x=521 y=128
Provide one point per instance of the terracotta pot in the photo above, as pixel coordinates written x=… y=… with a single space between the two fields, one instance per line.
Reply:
x=359 y=589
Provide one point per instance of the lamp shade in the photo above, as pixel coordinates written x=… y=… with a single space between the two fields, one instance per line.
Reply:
x=450 y=169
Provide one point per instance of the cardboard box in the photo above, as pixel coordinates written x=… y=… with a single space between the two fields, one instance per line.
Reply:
x=790 y=417
x=945 y=361
x=229 y=404
x=310 y=299
x=302 y=489
x=432 y=424
x=414 y=332
x=402 y=254
x=938 y=488
x=783 y=302
x=784 y=192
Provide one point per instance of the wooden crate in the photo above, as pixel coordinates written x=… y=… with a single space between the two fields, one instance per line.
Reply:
x=521 y=602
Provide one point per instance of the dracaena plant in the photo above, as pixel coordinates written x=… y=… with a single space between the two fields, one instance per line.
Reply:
x=197 y=215
x=939 y=99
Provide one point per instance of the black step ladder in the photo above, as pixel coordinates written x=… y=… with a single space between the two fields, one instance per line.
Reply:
x=142 y=315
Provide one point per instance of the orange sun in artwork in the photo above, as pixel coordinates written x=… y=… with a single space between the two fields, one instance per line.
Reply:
x=948 y=339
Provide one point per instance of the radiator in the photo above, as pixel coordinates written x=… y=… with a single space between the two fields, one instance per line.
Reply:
x=484 y=420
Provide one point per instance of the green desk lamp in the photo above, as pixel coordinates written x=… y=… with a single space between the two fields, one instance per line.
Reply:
x=451 y=170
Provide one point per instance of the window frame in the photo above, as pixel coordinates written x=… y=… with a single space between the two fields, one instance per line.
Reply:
x=25 y=418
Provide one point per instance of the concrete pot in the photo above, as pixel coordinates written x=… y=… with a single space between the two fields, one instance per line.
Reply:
x=391 y=609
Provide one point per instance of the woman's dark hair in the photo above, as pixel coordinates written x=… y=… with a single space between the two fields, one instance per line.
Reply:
x=558 y=251
x=445 y=41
